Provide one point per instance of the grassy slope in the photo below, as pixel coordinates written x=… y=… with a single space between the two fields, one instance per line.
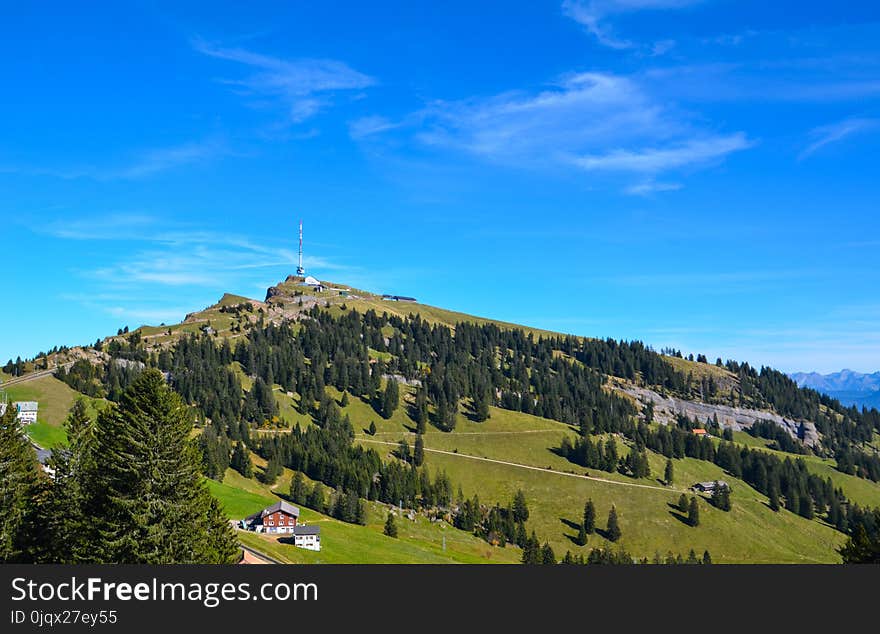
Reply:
x=55 y=399
x=419 y=541
x=749 y=533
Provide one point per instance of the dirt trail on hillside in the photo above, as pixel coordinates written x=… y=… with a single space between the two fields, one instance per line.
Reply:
x=533 y=468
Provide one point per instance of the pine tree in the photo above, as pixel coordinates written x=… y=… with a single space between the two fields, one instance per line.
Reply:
x=298 y=489
x=390 y=526
x=344 y=400
x=390 y=399
x=418 y=456
x=547 y=554
x=145 y=487
x=520 y=507
x=481 y=406
x=582 y=536
x=273 y=469
x=694 y=512
x=241 y=460
x=668 y=473
x=613 y=530
x=316 y=498
x=372 y=429
x=773 y=495
x=683 y=503
x=721 y=497
x=20 y=487
x=532 y=550
x=67 y=526
x=707 y=558
x=589 y=523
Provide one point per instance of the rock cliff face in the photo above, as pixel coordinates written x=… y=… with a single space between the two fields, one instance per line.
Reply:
x=737 y=418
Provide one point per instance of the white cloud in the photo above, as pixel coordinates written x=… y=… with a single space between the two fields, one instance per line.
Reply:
x=827 y=134
x=654 y=160
x=593 y=14
x=138 y=165
x=304 y=85
x=596 y=122
x=651 y=187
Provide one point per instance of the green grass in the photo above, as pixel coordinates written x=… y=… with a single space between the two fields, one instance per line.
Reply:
x=419 y=541
x=238 y=503
x=751 y=532
x=46 y=435
x=55 y=399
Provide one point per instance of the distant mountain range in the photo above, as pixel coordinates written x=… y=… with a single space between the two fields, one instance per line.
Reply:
x=850 y=388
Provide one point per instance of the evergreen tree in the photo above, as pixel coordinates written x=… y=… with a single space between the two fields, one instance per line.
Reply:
x=145 y=487
x=613 y=530
x=532 y=550
x=860 y=549
x=316 y=498
x=721 y=497
x=241 y=460
x=298 y=492
x=694 y=512
x=589 y=523
x=273 y=469
x=582 y=536
x=547 y=554
x=773 y=496
x=683 y=503
x=481 y=406
x=372 y=429
x=520 y=507
x=707 y=558
x=66 y=522
x=390 y=399
x=20 y=486
x=344 y=400
x=390 y=526
x=668 y=472
x=418 y=451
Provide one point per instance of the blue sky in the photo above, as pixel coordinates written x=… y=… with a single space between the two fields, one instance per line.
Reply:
x=697 y=174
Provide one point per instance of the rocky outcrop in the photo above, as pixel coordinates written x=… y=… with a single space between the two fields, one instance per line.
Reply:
x=737 y=418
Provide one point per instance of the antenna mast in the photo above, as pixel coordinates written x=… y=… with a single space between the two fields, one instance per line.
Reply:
x=299 y=269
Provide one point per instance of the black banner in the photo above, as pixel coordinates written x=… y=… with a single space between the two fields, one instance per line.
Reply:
x=113 y=598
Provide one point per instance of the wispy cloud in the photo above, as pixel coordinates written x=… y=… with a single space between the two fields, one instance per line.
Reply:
x=137 y=165
x=593 y=16
x=827 y=134
x=655 y=160
x=304 y=86
x=651 y=187
x=593 y=122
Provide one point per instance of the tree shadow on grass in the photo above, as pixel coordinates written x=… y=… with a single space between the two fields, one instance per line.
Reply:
x=572 y=525
x=674 y=506
x=681 y=518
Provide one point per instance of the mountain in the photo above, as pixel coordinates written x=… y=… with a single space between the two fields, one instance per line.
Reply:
x=847 y=386
x=395 y=402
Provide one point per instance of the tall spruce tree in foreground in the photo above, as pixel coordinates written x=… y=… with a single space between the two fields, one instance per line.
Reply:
x=145 y=494
x=67 y=526
x=20 y=490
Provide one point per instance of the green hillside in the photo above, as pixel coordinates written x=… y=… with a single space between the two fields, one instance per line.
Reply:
x=253 y=366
